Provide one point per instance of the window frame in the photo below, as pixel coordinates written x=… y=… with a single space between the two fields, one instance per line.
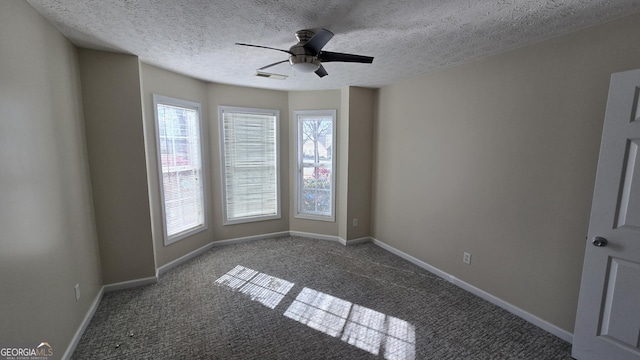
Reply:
x=299 y=116
x=254 y=111
x=180 y=103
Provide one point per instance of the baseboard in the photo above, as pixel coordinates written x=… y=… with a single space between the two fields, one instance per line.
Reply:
x=248 y=238
x=355 y=241
x=183 y=259
x=543 y=324
x=130 y=284
x=83 y=325
x=330 y=238
x=316 y=236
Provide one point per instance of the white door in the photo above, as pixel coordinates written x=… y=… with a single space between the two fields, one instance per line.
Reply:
x=608 y=319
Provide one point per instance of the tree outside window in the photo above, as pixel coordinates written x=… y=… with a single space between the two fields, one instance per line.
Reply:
x=315 y=158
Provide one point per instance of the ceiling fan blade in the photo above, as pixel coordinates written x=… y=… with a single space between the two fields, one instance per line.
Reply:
x=274 y=64
x=318 y=41
x=265 y=47
x=326 y=56
x=321 y=72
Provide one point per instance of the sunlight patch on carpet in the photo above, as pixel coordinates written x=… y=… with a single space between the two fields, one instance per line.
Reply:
x=356 y=325
x=263 y=288
x=319 y=311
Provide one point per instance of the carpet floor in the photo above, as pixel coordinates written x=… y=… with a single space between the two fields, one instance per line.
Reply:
x=299 y=298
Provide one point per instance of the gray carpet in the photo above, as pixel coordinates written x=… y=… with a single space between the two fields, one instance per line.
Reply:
x=295 y=298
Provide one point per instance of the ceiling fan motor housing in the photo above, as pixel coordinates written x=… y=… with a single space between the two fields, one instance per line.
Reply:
x=305 y=35
x=302 y=59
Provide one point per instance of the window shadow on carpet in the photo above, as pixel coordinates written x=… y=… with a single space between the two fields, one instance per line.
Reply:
x=365 y=328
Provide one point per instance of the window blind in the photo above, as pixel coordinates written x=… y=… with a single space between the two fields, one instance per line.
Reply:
x=181 y=169
x=250 y=165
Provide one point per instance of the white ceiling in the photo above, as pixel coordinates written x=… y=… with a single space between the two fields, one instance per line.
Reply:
x=407 y=37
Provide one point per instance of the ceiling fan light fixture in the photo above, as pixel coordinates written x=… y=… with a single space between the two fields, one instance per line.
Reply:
x=305 y=67
x=304 y=63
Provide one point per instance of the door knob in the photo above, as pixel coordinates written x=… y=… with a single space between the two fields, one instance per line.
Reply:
x=599 y=241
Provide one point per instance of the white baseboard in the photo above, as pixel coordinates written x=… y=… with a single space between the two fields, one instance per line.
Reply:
x=285 y=233
x=544 y=325
x=330 y=238
x=83 y=325
x=130 y=284
x=248 y=238
x=316 y=236
x=355 y=241
x=183 y=259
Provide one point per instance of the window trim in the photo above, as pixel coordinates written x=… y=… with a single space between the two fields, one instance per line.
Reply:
x=257 y=111
x=166 y=100
x=298 y=116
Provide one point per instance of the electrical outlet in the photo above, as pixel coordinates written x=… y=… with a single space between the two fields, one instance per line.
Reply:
x=355 y=222
x=466 y=258
x=77 y=289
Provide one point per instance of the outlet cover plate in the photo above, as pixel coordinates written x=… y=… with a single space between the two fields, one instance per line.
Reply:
x=466 y=258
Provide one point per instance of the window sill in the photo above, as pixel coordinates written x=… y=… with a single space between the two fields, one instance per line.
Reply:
x=251 y=219
x=185 y=234
x=315 y=217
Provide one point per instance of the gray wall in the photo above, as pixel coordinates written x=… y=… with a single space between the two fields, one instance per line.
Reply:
x=498 y=158
x=159 y=81
x=111 y=97
x=228 y=95
x=354 y=116
x=361 y=103
x=312 y=100
x=162 y=82
x=48 y=239
x=357 y=191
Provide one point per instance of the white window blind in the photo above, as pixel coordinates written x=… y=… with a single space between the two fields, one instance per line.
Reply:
x=316 y=158
x=180 y=163
x=250 y=166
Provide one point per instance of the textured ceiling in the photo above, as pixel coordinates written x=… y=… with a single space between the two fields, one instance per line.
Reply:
x=407 y=38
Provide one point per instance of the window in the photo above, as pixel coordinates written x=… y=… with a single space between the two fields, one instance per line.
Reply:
x=180 y=164
x=315 y=181
x=249 y=144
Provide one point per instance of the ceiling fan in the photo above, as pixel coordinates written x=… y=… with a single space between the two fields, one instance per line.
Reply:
x=307 y=55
